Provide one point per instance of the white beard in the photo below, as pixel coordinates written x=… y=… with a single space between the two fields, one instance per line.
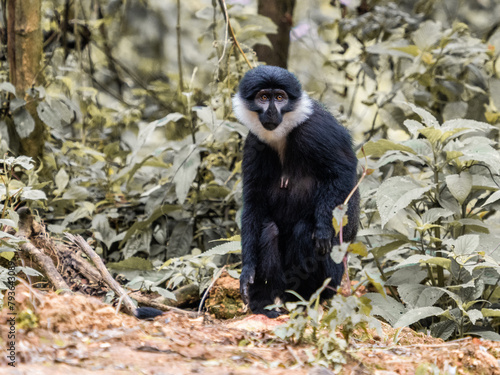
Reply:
x=275 y=138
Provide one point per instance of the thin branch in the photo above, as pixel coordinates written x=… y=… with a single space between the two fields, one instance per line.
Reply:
x=179 y=57
x=96 y=259
x=216 y=277
x=11 y=39
x=222 y=4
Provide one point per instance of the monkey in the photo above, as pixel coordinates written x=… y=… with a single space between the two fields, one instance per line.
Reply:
x=298 y=165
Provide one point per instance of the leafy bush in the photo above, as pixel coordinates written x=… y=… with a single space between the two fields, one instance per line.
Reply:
x=328 y=327
x=18 y=185
x=432 y=227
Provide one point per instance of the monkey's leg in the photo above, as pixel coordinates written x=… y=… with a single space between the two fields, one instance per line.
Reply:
x=263 y=294
x=268 y=286
x=308 y=269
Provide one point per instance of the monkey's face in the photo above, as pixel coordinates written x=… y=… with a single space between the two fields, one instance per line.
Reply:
x=271 y=104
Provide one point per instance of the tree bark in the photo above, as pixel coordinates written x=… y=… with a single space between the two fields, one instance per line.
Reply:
x=281 y=13
x=25 y=43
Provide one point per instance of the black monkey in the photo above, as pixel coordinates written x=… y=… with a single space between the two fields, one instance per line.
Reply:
x=298 y=165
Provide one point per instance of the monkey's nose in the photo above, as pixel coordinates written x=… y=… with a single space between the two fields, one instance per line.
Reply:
x=270 y=125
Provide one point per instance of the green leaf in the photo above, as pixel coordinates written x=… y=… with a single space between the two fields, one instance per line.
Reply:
x=378 y=285
x=165 y=293
x=460 y=185
x=380 y=147
x=180 y=240
x=142 y=225
x=412 y=260
x=411 y=50
x=338 y=252
x=186 y=163
x=63 y=111
x=416 y=295
x=474 y=315
x=491 y=312
x=25 y=162
x=9 y=222
x=85 y=210
x=358 y=248
x=438 y=261
x=422 y=147
x=389 y=48
x=133 y=263
x=433 y=135
x=395 y=194
x=33 y=194
x=230 y=247
x=380 y=251
x=139 y=242
x=426 y=116
x=9 y=87
x=339 y=215
x=481 y=152
x=207 y=116
x=413 y=126
x=397 y=156
x=415 y=315
x=492 y=198
x=76 y=192
x=48 y=116
x=464 y=245
x=103 y=231
x=24 y=122
x=386 y=307
x=408 y=275
x=428 y=34
x=61 y=180
x=443 y=329
x=461 y=123
x=434 y=214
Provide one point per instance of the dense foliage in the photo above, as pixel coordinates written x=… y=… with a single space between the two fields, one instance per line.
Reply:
x=144 y=155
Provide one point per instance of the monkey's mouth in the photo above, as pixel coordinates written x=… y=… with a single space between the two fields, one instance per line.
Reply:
x=270 y=125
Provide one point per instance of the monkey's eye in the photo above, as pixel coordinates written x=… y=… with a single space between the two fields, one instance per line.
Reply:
x=279 y=98
x=264 y=97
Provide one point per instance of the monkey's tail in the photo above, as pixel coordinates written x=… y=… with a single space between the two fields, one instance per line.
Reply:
x=147 y=313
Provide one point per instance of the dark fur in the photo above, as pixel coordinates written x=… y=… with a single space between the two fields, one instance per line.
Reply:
x=287 y=232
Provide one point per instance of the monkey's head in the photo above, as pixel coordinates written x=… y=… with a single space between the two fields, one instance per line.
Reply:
x=270 y=102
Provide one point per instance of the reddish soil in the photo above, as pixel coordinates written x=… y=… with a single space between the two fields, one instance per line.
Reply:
x=81 y=335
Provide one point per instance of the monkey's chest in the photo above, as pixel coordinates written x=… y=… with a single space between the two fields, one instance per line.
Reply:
x=291 y=196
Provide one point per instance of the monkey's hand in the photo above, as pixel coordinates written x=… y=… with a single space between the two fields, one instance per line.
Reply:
x=323 y=240
x=247 y=277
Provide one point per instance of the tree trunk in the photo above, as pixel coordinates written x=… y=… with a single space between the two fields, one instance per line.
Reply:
x=25 y=43
x=281 y=13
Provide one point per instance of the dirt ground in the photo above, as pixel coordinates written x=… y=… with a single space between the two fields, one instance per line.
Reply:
x=75 y=335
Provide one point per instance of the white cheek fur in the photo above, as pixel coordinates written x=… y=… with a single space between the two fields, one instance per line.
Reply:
x=275 y=138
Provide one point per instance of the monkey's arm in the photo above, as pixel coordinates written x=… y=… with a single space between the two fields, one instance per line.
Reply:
x=334 y=162
x=327 y=198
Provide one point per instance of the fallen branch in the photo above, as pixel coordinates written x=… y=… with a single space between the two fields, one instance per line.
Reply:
x=145 y=301
x=184 y=295
x=107 y=278
x=41 y=259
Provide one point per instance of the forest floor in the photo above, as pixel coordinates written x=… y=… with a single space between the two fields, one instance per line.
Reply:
x=76 y=335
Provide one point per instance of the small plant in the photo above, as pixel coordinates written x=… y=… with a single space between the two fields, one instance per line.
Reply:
x=328 y=326
x=436 y=248
x=18 y=185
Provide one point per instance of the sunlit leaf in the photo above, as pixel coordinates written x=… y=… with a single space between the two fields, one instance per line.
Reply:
x=414 y=315
x=460 y=185
x=395 y=194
